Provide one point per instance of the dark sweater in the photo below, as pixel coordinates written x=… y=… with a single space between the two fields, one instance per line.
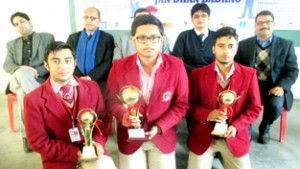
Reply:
x=188 y=47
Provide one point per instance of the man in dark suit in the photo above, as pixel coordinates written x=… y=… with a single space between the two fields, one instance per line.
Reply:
x=94 y=49
x=206 y=84
x=24 y=62
x=51 y=114
x=276 y=63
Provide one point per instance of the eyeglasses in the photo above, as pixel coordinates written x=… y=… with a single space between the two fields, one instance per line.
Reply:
x=92 y=18
x=260 y=23
x=143 y=39
x=200 y=16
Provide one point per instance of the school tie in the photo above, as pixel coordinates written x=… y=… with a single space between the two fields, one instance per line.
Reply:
x=67 y=93
x=201 y=37
x=201 y=40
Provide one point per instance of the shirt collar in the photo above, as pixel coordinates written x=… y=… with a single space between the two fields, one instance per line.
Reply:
x=266 y=43
x=205 y=33
x=56 y=86
x=158 y=62
x=230 y=73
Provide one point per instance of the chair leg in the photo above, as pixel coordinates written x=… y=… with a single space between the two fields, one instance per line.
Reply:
x=10 y=101
x=283 y=120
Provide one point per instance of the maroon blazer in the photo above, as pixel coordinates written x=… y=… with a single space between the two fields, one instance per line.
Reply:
x=167 y=106
x=203 y=99
x=47 y=123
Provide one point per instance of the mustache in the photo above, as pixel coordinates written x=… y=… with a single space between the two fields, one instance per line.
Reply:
x=264 y=29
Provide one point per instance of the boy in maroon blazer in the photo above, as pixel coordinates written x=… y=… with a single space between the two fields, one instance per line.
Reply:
x=163 y=85
x=223 y=92
x=51 y=115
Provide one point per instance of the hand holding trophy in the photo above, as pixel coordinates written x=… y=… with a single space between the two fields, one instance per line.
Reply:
x=130 y=95
x=87 y=119
x=226 y=99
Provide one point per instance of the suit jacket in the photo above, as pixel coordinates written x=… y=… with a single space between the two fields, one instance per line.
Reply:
x=168 y=102
x=124 y=46
x=14 y=56
x=47 y=123
x=103 y=59
x=203 y=99
x=284 y=66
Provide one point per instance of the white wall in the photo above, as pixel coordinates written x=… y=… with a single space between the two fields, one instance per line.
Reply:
x=47 y=16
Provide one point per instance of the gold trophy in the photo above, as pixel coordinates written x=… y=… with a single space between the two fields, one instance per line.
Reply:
x=87 y=118
x=226 y=99
x=130 y=95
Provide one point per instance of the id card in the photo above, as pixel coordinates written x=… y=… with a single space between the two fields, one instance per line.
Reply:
x=74 y=134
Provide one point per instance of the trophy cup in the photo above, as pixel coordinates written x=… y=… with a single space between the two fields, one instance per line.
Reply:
x=226 y=99
x=130 y=95
x=87 y=118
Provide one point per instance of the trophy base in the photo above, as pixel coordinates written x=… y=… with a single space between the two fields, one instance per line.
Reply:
x=219 y=129
x=136 y=135
x=89 y=154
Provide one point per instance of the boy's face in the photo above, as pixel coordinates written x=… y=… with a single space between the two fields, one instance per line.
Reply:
x=147 y=41
x=200 y=20
x=225 y=49
x=61 y=65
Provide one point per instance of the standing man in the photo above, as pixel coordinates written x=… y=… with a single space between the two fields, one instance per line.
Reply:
x=206 y=84
x=24 y=62
x=124 y=45
x=163 y=85
x=275 y=60
x=51 y=114
x=194 y=46
x=94 y=49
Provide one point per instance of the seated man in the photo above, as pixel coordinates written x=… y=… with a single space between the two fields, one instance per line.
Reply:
x=51 y=115
x=275 y=60
x=94 y=49
x=24 y=62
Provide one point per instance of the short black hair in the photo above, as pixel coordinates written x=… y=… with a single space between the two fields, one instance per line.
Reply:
x=57 y=46
x=264 y=12
x=226 y=31
x=200 y=6
x=20 y=14
x=146 y=20
x=141 y=10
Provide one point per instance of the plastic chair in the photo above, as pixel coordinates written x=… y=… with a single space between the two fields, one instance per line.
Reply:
x=11 y=98
x=283 y=120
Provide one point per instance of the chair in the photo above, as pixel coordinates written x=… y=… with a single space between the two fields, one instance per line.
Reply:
x=283 y=120
x=11 y=98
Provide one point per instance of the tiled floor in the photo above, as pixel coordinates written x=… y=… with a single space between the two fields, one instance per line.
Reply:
x=274 y=155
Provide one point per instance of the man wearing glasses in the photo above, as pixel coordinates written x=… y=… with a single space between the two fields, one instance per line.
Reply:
x=276 y=63
x=94 y=49
x=194 y=46
x=163 y=85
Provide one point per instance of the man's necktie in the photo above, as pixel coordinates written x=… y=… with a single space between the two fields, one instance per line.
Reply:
x=90 y=36
x=67 y=93
x=201 y=39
